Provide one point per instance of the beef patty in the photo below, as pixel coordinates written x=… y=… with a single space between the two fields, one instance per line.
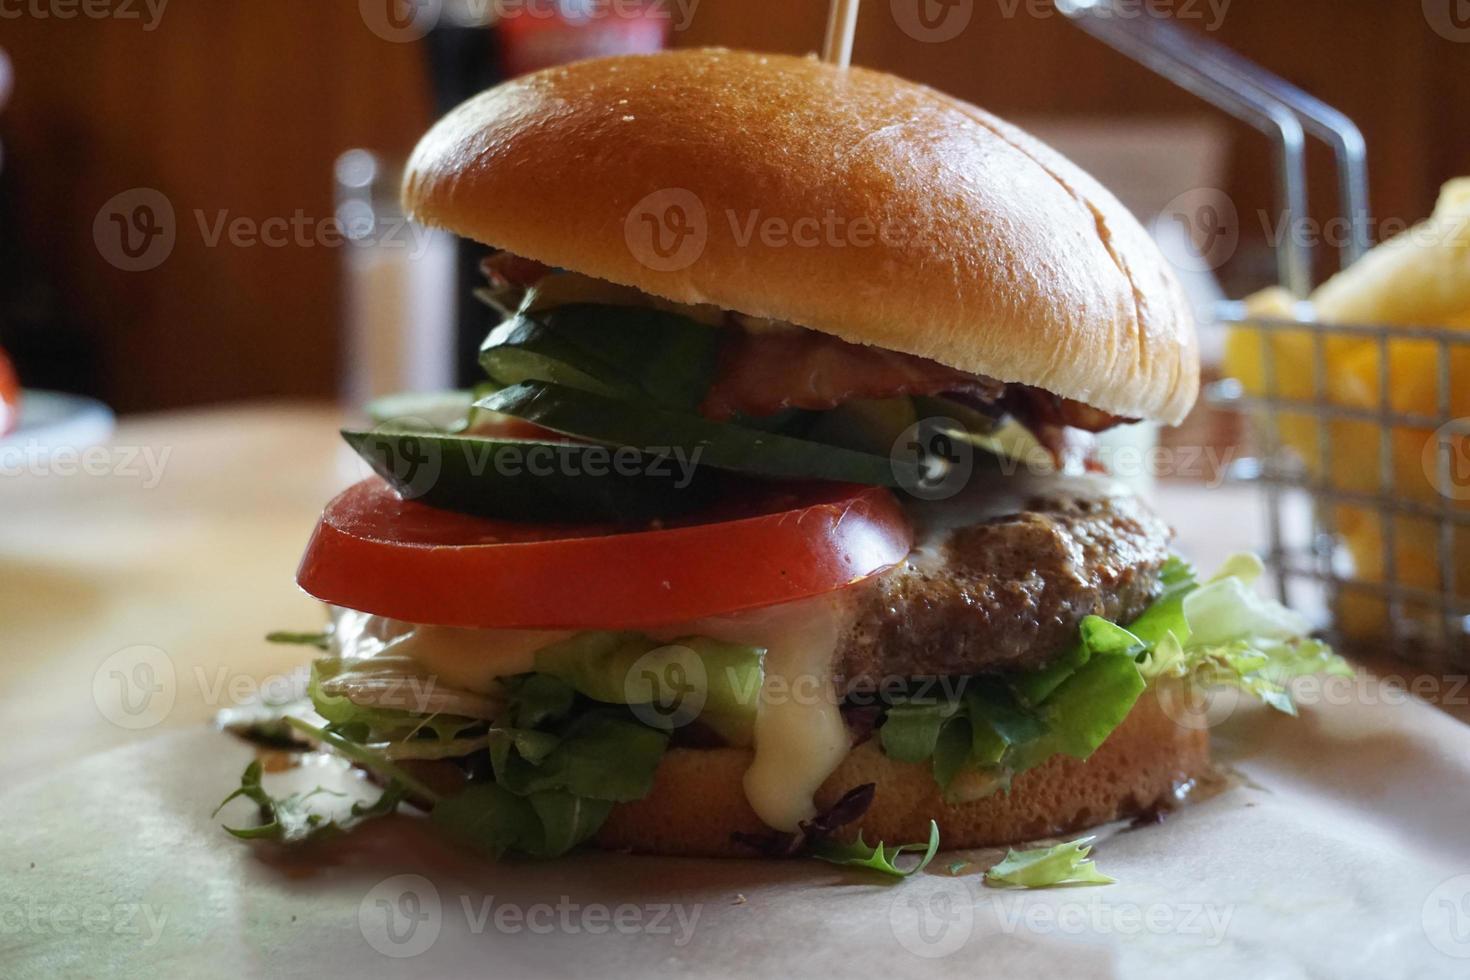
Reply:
x=1001 y=580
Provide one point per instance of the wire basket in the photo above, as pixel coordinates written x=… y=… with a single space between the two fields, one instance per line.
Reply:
x=1384 y=543
x=1367 y=498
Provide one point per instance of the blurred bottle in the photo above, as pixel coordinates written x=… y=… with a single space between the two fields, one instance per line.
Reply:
x=399 y=302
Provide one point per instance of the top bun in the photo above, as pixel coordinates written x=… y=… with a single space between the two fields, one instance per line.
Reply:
x=844 y=200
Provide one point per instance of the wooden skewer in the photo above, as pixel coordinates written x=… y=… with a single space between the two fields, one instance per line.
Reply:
x=841 y=26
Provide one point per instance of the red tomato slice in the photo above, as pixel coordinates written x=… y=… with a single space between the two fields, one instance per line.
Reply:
x=375 y=552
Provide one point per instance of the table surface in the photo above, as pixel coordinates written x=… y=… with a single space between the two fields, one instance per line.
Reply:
x=188 y=545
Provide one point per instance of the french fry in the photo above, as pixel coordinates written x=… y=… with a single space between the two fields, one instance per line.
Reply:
x=1419 y=278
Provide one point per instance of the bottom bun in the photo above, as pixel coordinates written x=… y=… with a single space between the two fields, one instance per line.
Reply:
x=698 y=800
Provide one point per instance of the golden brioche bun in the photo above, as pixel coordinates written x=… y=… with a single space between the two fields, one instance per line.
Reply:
x=698 y=800
x=848 y=201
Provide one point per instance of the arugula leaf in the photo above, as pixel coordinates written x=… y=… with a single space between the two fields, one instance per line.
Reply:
x=491 y=819
x=290 y=819
x=1047 y=867
x=537 y=699
x=322 y=640
x=601 y=755
x=877 y=857
x=558 y=768
x=366 y=757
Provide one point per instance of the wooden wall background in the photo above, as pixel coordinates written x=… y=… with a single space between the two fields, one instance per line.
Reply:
x=243 y=105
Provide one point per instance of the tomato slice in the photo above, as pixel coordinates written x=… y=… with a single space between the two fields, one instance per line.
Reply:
x=375 y=552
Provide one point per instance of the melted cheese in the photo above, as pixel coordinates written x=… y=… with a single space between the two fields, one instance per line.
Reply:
x=800 y=736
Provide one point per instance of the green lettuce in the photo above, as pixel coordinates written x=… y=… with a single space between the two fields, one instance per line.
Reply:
x=491 y=819
x=559 y=764
x=321 y=640
x=389 y=723
x=1216 y=633
x=691 y=677
x=1047 y=867
x=877 y=857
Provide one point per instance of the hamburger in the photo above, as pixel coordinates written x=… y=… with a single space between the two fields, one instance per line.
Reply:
x=774 y=527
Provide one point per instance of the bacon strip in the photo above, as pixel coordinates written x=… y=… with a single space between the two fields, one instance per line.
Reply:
x=761 y=373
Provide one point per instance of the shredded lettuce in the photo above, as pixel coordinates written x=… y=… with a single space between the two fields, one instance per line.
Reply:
x=1047 y=867
x=877 y=857
x=1219 y=633
x=1222 y=634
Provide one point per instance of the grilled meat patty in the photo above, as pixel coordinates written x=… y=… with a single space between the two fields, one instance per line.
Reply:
x=1000 y=580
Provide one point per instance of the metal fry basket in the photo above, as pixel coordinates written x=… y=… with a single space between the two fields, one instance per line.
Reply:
x=1366 y=494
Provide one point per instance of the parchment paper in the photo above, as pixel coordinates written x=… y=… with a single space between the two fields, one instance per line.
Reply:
x=1342 y=852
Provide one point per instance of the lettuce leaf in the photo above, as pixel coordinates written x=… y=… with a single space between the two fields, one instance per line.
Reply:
x=877 y=857
x=1047 y=867
x=601 y=755
x=292 y=819
x=388 y=723
x=630 y=668
x=1216 y=633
